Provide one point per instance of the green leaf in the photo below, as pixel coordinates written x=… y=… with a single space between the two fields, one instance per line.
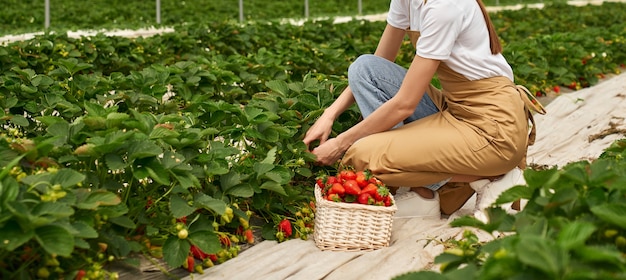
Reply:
x=230 y=180
x=81 y=243
x=273 y=186
x=270 y=158
x=67 y=177
x=42 y=81
x=53 y=209
x=163 y=133
x=601 y=254
x=172 y=159
x=575 y=234
x=420 y=275
x=602 y=170
x=187 y=180
x=115 y=162
x=261 y=168
x=98 y=198
x=84 y=230
x=20 y=120
x=179 y=207
x=9 y=190
x=278 y=86
x=577 y=172
x=143 y=149
x=210 y=203
x=175 y=251
x=564 y=198
x=123 y=221
x=279 y=174
x=158 y=173
x=207 y=241
x=611 y=213
x=514 y=194
x=12 y=236
x=542 y=254
x=115 y=119
x=241 y=190
x=55 y=240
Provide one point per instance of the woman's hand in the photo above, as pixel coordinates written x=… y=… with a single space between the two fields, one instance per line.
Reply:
x=327 y=151
x=330 y=151
x=319 y=131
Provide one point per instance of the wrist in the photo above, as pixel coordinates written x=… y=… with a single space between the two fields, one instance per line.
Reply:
x=329 y=114
x=345 y=141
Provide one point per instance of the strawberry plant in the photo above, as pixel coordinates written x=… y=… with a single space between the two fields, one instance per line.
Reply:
x=572 y=227
x=27 y=16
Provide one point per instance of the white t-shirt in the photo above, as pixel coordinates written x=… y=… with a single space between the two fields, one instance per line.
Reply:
x=452 y=31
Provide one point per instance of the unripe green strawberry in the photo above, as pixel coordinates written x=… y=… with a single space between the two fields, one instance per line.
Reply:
x=43 y=273
x=620 y=241
x=183 y=233
x=609 y=233
x=244 y=223
x=199 y=269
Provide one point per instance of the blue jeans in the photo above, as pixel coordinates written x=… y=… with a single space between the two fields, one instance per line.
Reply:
x=374 y=80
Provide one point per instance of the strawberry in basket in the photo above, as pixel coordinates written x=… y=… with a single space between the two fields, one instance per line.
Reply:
x=352 y=186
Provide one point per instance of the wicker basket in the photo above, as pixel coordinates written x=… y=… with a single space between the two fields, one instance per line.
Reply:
x=343 y=226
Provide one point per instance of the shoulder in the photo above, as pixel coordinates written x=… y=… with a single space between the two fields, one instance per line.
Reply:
x=440 y=14
x=443 y=10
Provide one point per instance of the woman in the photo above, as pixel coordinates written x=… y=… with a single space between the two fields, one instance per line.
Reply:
x=475 y=129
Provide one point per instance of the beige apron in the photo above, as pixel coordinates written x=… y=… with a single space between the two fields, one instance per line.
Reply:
x=482 y=129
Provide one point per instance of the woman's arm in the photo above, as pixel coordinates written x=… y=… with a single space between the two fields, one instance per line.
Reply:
x=395 y=110
x=388 y=48
x=390 y=42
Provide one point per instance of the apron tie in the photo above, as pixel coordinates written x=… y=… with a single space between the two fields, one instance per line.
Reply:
x=530 y=104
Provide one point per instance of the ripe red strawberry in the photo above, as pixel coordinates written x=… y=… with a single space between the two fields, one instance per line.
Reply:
x=557 y=89
x=285 y=227
x=370 y=188
x=319 y=182
x=80 y=274
x=352 y=187
x=190 y=263
x=375 y=180
x=197 y=253
x=387 y=200
x=381 y=193
x=347 y=174
x=331 y=180
x=333 y=197
x=362 y=178
x=249 y=236
x=365 y=198
x=337 y=188
x=572 y=85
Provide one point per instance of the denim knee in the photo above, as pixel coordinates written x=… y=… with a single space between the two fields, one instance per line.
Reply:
x=361 y=66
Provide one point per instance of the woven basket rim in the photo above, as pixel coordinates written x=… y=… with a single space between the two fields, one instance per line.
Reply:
x=354 y=206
